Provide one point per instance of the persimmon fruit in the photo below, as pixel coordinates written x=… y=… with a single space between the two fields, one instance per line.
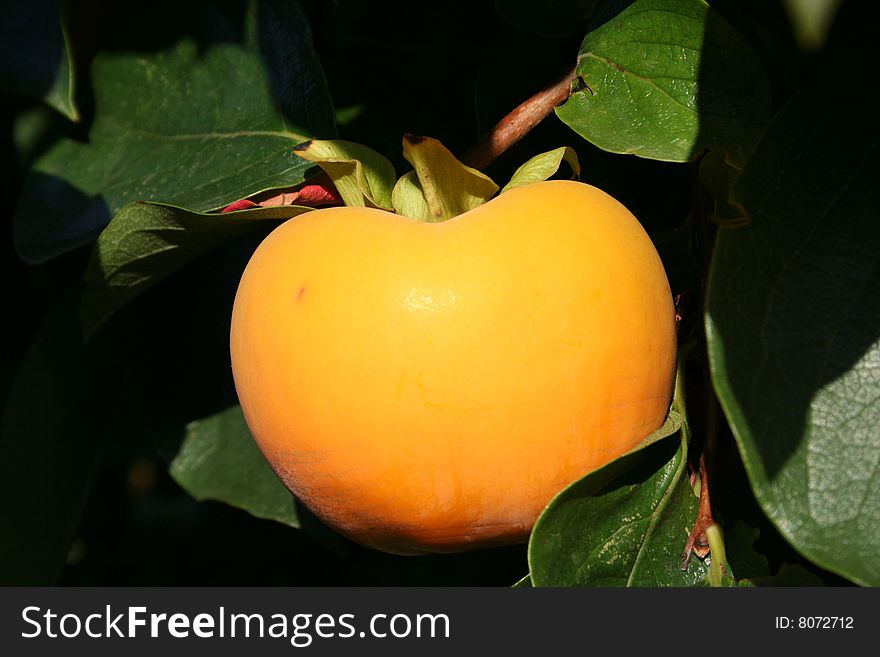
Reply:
x=429 y=387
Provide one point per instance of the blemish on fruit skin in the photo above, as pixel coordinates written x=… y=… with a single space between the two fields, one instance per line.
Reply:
x=302 y=291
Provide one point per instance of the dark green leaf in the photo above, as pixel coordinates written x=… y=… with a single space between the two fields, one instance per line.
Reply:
x=788 y=575
x=793 y=325
x=147 y=242
x=36 y=59
x=742 y=552
x=552 y=18
x=665 y=79
x=33 y=128
x=219 y=460
x=53 y=430
x=200 y=124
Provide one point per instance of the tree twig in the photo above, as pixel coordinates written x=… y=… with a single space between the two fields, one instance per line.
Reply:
x=519 y=122
x=698 y=542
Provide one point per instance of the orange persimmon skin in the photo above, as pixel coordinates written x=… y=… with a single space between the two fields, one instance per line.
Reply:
x=430 y=387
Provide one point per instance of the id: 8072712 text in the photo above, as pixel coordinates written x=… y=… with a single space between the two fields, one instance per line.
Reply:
x=814 y=623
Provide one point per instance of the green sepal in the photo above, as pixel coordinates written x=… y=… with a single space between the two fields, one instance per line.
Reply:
x=363 y=177
x=542 y=166
x=408 y=198
x=448 y=187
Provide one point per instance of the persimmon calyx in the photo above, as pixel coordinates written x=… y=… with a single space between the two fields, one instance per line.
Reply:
x=438 y=188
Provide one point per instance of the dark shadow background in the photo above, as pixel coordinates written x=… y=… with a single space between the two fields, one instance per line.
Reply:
x=447 y=70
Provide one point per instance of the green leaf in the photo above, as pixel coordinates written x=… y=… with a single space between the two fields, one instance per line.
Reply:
x=541 y=167
x=147 y=242
x=199 y=124
x=556 y=18
x=53 y=431
x=36 y=60
x=450 y=188
x=666 y=79
x=219 y=460
x=363 y=177
x=793 y=327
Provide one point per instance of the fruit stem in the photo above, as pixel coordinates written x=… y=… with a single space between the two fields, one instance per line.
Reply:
x=519 y=122
x=719 y=555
